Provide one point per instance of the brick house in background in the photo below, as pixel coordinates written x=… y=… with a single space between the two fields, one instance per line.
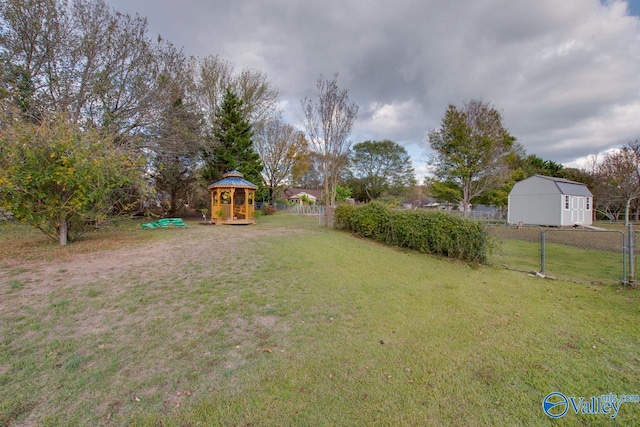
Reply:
x=296 y=195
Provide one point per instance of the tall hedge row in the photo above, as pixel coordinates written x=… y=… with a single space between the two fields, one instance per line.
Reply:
x=429 y=232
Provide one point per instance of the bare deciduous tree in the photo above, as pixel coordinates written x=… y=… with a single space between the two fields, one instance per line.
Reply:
x=215 y=75
x=280 y=146
x=83 y=60
x=328 y=121
x=259 y=97
x=618 y=178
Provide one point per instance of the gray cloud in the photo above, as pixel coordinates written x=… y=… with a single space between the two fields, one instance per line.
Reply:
x=565 y=73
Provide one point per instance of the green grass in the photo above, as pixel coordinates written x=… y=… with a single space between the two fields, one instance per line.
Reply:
x=15 y=284
x=297 y=325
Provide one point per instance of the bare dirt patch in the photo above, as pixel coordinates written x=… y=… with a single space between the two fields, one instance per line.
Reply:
x=148 y=320
x=206 y=247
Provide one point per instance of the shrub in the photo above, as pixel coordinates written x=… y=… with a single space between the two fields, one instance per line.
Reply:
x=372 y=220
x=428 y=232
x=344 y=216
x=268 y=210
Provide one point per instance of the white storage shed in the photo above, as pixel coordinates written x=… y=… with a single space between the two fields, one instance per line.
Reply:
x=544 y=200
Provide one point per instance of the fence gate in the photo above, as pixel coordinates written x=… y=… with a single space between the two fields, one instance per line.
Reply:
x=583 y=255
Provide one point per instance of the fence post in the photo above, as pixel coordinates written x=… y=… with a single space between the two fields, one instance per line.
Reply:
x=542 y=252
x=632 y=272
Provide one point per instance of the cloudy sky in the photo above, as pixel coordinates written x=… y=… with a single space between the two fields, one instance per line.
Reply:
x=565 y=73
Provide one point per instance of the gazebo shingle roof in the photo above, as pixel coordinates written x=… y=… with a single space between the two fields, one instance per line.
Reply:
x=233 y=179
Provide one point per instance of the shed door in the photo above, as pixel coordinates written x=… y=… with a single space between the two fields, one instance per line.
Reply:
x=577 y=210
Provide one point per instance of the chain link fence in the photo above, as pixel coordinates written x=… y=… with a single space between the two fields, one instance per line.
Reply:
x=581 y=255
x=634 y=253
x=304 y=209
x=516 y=248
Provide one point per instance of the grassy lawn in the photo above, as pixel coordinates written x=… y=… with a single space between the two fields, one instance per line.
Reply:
x=286 y=323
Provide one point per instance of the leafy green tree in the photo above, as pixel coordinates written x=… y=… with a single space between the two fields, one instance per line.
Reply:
x=521 y=167
x=59 y=178
x=380 y=168
x=175 y=153
x=232 y=148
x=342 y=193
x=445 y=191
x=577 y=175
x=306 y=172
x=473 y=150
x=16 y=89
x=532 y=165
x=175 y=140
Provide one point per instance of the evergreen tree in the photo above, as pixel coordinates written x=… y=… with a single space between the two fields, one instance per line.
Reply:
x=232 y=148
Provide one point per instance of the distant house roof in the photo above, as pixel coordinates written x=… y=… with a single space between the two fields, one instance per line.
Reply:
x=431 y=205
x=571 y=188
x=303 y=194
x=289 y=193
x=233 y=179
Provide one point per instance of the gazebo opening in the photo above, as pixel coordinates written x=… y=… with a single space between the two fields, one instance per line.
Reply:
x=233 y=200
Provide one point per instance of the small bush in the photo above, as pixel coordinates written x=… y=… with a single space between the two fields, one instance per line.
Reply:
x=372 y=221
x=268 y=210
x=344 y=216
x=429 y=232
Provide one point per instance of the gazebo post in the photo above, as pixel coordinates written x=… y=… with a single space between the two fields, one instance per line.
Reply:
x=246 y=203
x=215 y=206
x=211 y=205
x=233 y=205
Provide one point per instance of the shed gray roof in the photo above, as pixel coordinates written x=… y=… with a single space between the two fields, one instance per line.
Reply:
x=570 y=188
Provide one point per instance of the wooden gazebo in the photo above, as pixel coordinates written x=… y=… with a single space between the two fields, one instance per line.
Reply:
x=233 y=199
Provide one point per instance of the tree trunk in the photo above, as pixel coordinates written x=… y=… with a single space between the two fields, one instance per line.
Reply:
x=465 y=201
x=63 y=231
x=627 y=208
x=327 y=195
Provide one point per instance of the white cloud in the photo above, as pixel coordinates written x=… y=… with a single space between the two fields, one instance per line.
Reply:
x=389 y=120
